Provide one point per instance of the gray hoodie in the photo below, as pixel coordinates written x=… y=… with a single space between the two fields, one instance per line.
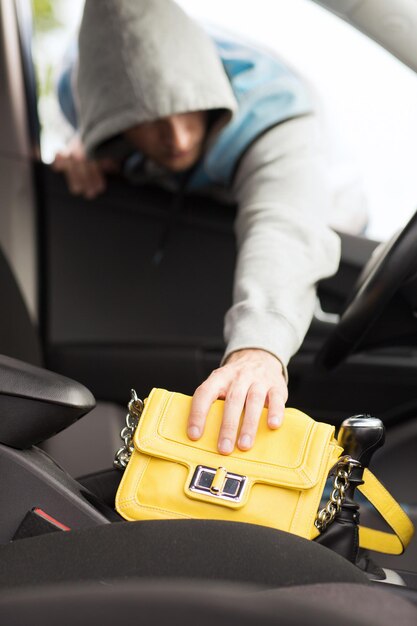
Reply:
x=145 y=59
x=142 y=60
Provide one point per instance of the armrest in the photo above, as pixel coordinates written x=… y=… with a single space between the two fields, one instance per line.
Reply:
x=36 y=403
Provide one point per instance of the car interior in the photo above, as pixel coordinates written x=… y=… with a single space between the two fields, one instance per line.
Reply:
x=87 y=315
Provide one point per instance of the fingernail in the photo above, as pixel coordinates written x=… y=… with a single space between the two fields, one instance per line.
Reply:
x=194 y=432
x=274 y=422
x=226 y=446
x=245 y=441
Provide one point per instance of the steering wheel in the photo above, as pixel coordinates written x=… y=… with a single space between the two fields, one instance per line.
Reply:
x=386 y=271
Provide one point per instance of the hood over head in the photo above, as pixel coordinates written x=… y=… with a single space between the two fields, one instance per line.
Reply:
x=139 y=61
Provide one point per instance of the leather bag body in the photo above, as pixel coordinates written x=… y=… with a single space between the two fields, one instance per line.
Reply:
x=278 y=483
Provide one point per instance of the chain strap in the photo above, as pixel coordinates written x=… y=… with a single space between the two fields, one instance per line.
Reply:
x=342 y=473
x=135 y=408
x=342 y=470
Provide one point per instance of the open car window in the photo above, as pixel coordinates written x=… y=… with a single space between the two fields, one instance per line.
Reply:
x=367 y=98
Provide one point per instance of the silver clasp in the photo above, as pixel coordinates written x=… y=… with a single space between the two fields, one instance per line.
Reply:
x=218 y=483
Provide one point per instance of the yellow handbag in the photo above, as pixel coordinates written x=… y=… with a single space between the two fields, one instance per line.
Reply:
x=278 y=483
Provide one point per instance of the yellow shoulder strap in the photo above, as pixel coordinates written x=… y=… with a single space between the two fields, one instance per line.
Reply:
x=393 y=514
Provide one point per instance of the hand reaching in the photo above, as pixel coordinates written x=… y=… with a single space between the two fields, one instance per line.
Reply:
x=250 y=380
x=85 y=177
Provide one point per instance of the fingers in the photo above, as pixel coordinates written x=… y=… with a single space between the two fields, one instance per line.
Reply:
x=255 y=402
x=276 y=406
x=233 y=407
x=248 y=383
x=84 y=177
x=252 y=400
x=90 y=182
x=204 y=396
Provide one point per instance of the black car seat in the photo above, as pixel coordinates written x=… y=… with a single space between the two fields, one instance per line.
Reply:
x=72 y=449
x=18 y=336
x=190 y=602
x=186 y=572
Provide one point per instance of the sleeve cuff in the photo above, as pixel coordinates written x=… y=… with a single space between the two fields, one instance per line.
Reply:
x=247 y=328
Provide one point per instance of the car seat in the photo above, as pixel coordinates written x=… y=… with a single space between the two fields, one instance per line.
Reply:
x=72 y=449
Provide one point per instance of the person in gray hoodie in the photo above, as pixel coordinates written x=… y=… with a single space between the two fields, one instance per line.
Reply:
x=197 y=112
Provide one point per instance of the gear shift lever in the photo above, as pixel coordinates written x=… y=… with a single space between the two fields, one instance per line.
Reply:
x=360 y=436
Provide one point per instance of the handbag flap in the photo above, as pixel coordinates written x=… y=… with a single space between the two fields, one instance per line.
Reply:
x=291 y=456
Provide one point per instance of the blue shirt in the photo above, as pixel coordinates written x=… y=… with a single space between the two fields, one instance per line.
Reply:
x=266 y=90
